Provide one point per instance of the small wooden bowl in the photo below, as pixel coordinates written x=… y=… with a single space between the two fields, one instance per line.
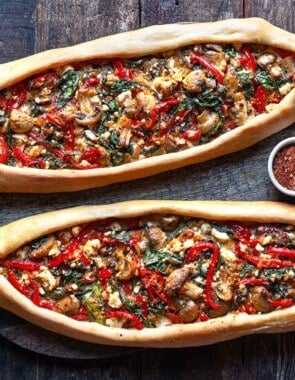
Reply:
x=274 y=152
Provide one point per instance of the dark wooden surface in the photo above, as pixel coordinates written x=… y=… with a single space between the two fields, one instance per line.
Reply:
x=28 y=26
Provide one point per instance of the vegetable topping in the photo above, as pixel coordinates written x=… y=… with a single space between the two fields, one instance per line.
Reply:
x=112 y=112
x=157 y=270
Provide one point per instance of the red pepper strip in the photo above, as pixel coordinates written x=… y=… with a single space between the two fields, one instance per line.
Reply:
x=67 y=255
x=81 y=315
x=92 y=155
x=141 y=301
x=19 y=95
x=104 y=275
x=241 y=232
x=209 y=279
x=260 y=99
x=253 y=281
x=125 y=315
x=173 y=317
x=69 y=137
x=248 y=60
x=25 y=159
x=15 y=283
x=120 y=70
x=162 y=107
x=196 y=58
x=92 y=81
x=36 y=295
x=49 y=79
x=260 y=263
x=249 y=309
x=84 y=258
x=281 y=252
x=194 y=252
x=281 y=302
x=54 y=118
x=3 y=103
x=4 y=149
x=24 y=265
x=203 y=316
x=192 y=135
x=283 y=52
x=56 y=152
x=155 y=284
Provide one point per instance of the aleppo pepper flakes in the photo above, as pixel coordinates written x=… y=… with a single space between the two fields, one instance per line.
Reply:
x=284 y=167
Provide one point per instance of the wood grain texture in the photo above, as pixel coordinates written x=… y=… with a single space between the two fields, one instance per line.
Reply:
x=30 y=25
x=17 y=29
x=61 y=23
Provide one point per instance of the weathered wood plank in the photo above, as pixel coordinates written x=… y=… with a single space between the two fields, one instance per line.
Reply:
x=17 y=29
x=61 y=23
x=279 y=12
x=160 y=12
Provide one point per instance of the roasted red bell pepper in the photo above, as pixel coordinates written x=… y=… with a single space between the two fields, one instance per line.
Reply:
x=19 y=95
x=92 y=155
x=69 y=137
x=197 y=58
x=15 y=283
x=192 y=135
x=48 y=79
x=4 y=149
x=81 y=315
x=39 y=139
x=142 y=302
x=253 y=281
x=104 y=275
x=164 y=106
x=248 y=60
x=194 y=252
x=23 y=265
x=121 y=71
x=25 y=159
x=280 y=251
x=4 y=103
x=286 y=302
x=203 y=317
x=260 y=99
x=92 y=81
x=262 y=263
x=155 y=285
x=174 y=318
x=125 y=315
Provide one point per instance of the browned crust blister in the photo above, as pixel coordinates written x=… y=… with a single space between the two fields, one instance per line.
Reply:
x=141 y=42
x=180 y=335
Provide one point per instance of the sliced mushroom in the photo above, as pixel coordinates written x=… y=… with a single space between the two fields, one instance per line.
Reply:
x=43 y=248
x=176 y=280
x=156 y=237
x=20 y=122
x=191 y=290
x=239 y=111
x=207 y=121
x=224 y=291
x=88 y=120
x=224 y=309
x=260 y=297
x=167 y=223
x=68 y=305
x=195 y=81
x=189 y=313
x=126 y=266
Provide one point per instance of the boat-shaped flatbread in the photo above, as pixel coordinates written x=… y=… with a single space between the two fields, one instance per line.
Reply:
x=153 y=273
x=139 y=103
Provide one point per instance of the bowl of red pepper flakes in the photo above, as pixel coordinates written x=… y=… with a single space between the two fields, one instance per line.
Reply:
x=281 y=166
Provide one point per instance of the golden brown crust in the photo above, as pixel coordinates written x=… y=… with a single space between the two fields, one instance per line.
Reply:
x=142 y=42
x=194 y=334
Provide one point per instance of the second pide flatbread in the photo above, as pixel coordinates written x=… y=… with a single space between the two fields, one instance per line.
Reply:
x=153 y=273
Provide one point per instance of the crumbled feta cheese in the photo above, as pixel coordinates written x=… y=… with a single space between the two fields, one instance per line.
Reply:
x=220 y=236
x=114 y=300
x=47 y=279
